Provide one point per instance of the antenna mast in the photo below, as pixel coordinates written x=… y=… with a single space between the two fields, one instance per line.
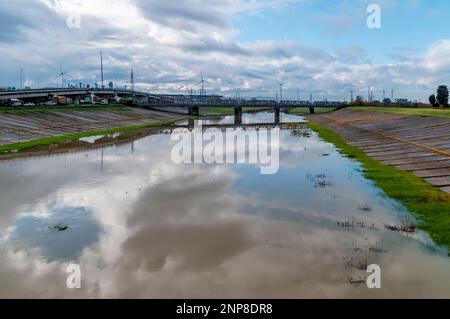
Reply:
x=101 y=67
x=132 y=82
x=203 y=86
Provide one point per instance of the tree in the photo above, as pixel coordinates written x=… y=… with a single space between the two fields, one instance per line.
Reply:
x=432 y=100
x=442 y=95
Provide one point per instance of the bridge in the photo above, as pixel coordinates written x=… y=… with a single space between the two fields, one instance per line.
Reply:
x=194 y=108
x=77 y=94
x=247 y=126
x=161 y=102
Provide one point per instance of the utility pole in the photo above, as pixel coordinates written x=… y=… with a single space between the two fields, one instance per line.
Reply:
x=203 y=86
x=21 y=79
x=281 y=92
x=384 y=95
x=132 y=82
x=351 y=98
x=392 y=95
x=101 y=67
x=298 y=95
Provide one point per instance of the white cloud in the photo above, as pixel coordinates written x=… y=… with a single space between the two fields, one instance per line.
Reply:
x=169 y=45
x=438 y=57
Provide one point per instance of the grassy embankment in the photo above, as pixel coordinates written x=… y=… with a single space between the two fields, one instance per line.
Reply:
x=220 y=110
x=430 y=205
x=305 y=110
x=72 y=137
x=406 y=111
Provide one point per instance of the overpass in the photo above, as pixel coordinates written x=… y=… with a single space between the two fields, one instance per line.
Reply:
x=46 y=94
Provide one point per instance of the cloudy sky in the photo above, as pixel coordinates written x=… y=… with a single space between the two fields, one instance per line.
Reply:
x=319 y=47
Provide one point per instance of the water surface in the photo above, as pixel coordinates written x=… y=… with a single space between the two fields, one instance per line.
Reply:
x=141 y=226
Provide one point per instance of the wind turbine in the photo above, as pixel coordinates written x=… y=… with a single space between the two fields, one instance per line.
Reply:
x=61 y=75
x=202 y=82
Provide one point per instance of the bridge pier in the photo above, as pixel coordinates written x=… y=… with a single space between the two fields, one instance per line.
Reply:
x=311 y=110
x=277 y=115
x=238 y=115
x=191 y=124
x=194 y=110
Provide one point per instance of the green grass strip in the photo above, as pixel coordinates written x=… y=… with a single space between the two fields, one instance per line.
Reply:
x=305 y=110
x=429 y=204
x=76 y=136
x=220 y=110
x=212 y=110
x=445 y=113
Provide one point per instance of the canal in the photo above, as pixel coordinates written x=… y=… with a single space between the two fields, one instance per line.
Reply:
x=140 y=225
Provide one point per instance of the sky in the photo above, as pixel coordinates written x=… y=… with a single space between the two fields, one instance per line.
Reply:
x=319 y=47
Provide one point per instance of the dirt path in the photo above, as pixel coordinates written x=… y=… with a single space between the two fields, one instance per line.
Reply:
x=412 y=143
x=27 y=126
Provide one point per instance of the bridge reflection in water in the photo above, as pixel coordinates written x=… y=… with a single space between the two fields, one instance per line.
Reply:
x=205 y=126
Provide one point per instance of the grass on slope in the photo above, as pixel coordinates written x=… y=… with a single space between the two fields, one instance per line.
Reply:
x=305 y=110
x=220 y=110
x=407 y=111
x=430 y=204
x=226 y=110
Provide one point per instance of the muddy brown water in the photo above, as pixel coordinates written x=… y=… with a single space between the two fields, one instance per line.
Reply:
x=139 y=225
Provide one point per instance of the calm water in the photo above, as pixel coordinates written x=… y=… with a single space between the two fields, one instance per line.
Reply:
x=141 y=226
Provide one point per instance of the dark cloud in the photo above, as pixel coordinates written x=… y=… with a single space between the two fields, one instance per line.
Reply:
x=214 y=45
x=185 y=15
x=169 y=43
x=24 y=15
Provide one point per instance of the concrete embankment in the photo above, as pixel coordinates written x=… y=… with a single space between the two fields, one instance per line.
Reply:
x=24 y=126
x=420 y=145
